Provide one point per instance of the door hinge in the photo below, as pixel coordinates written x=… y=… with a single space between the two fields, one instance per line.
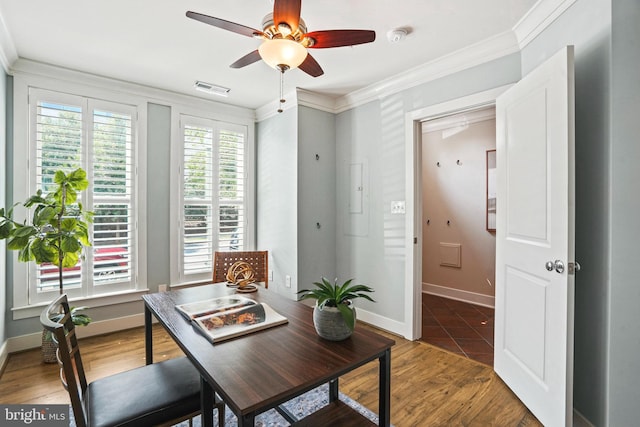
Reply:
x=573 y=267
x=415 y=240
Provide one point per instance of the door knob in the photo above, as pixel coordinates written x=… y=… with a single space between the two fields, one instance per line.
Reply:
x=557 y=265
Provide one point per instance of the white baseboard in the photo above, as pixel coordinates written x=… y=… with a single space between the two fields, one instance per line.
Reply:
x=29 y=341
x=381 y=322
x=4 y=355
x=460 y=295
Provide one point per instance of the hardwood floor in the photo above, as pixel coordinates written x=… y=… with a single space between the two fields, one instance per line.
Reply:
x=429 y=386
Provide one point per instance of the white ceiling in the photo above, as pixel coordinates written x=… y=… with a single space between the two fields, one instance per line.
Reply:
x=151 y=42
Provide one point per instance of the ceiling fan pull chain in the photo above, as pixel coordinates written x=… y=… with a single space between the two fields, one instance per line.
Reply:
x=282 y=100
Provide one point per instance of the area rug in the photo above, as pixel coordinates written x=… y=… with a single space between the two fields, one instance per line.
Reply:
x=300 y=407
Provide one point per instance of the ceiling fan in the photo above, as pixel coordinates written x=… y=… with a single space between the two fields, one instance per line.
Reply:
x=286 y=39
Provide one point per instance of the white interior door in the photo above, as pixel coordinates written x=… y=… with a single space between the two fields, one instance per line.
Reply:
x=535 y=239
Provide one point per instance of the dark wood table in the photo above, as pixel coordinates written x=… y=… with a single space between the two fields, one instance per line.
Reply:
x=261 y=370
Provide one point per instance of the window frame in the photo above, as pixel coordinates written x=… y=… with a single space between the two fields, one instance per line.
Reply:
x=24 y=175
x=185 y=115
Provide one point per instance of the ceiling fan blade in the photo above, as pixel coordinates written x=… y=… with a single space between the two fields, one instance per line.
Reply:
x=249 y=58
x=337 y=38
x=311 y=67
x=287 y=11
x=225 y=25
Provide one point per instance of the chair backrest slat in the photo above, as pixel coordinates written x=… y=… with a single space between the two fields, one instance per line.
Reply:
x=258 y=260
x=72 y=373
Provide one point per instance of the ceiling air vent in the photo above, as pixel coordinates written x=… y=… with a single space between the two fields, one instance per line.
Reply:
x=212 y=89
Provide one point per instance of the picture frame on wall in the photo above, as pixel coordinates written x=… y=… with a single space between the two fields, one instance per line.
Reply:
x=491 y=190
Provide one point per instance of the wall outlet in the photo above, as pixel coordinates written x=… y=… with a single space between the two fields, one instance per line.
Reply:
x=162 y=288
x=271 y=275
x=287 y=281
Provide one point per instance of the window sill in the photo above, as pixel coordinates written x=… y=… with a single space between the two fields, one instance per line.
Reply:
x=30 y=311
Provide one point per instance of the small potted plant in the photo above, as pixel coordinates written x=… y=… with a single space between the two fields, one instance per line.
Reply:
x=334 y=315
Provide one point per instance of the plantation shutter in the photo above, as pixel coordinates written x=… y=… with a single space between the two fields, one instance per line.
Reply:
x=71 y=132
x=231 y=190
x=214 y=196
x=198 y=206
x=58 y=137
x=112 y=176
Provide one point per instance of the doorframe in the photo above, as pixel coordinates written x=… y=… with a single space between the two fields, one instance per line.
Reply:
x=413 y=195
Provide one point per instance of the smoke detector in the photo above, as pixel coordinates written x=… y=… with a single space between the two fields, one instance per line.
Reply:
x=397 y=35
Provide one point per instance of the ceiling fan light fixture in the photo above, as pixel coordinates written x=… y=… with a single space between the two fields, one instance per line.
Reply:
x=284 y=29
x=279 y=52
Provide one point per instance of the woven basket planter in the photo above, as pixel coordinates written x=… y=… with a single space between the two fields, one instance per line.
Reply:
x=330 y=324
x=48 y=348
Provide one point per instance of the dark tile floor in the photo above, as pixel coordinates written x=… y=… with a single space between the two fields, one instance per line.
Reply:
x=459 y=327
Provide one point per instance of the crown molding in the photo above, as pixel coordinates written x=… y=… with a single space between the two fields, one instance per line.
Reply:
x=539 y=17
x=8 y=52
x=295 y=98
x=316 y=100
x=470 y=56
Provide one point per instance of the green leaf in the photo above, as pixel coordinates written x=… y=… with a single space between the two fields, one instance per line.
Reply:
x=25 y=254
x=44 y=215
x=72 y=196
x=70 y=260
x=78 y=178
x=42 y=252
x=17 y=242
x=5 y=229
x=347 y=315
x=25 y=231
x=68 y=224
x=88 y=216
x=333 y=294
x=70 y=244
x=83 y=236
x=59 y=177
x=36 y=199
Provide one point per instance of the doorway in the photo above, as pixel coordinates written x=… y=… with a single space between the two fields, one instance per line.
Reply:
x=458 y=239
x=535 y=232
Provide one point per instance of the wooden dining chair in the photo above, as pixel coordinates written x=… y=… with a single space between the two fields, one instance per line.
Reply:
x=161 y=393
x=258 y=260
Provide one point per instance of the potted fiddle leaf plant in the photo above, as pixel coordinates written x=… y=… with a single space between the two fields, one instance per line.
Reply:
x=334 y=315
x=57 y=234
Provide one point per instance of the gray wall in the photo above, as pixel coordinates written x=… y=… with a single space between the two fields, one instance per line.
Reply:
x=372 y=248
x=277 y=185
x=296 y=193
x=316 y=196
x=624 y=335
x=587 y=26
x=3 y=173
x=158 y=184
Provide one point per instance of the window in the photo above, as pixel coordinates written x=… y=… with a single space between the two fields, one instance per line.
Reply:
x=68 y=132
x=213 y=213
